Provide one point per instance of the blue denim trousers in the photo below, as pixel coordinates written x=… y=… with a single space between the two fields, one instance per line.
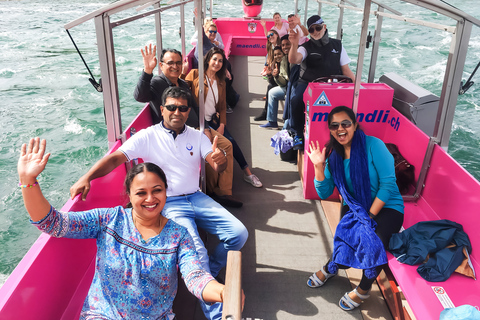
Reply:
x=199 y=210
x=274 y=95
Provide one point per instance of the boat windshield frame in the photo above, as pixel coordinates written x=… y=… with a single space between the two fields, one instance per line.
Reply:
x=461 y=34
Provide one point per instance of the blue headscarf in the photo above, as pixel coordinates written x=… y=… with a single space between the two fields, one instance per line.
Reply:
x=355 y=242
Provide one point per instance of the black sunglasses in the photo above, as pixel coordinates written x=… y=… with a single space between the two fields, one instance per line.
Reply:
x=335 y=125
x=212 y=31
x=316 y=27
x=172 y=63
x=270 y=35
x=173 y=108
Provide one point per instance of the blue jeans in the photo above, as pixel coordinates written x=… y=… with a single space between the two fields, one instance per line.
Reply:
x=297 y=108
x=200 y=210
x=274 y=94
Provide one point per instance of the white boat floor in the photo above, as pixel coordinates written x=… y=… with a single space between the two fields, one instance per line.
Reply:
x=289 y=237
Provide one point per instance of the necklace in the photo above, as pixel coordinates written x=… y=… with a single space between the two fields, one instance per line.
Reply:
x=162 y=224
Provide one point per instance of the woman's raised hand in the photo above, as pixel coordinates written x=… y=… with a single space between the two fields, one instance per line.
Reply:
x=149 y=58
x=316 y=154
x=32 y=160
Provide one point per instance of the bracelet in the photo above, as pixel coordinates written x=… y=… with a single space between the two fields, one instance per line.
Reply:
x=28 y=185
x=224 y=152
x=371 y=215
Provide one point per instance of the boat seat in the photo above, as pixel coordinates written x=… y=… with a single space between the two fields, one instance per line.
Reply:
x=451 y=193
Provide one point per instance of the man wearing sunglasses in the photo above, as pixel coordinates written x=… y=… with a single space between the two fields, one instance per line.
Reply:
x=150 y=89
x=321 y=56
x=178 y=150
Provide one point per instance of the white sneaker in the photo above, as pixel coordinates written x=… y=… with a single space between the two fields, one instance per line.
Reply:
x=229 y=109
x=253 y=180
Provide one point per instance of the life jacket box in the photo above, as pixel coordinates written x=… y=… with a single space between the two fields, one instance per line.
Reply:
x=416 y=103
x=373 y=115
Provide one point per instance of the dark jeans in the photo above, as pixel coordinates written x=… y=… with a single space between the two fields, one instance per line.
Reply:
x=237 y=152
x=296 y=117
x=389 y=221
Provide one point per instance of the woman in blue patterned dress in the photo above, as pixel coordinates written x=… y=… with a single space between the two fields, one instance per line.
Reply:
x=138 y=249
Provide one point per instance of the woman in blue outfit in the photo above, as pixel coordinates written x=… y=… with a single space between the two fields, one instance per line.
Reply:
x=362 y=169
x=138 y=249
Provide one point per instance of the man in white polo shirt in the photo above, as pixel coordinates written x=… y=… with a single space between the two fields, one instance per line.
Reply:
x=178 y=150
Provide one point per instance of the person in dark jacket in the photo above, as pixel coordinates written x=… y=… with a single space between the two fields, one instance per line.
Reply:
x=319 y=57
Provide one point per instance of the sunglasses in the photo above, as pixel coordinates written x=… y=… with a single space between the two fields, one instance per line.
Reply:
x=316 y=27
x=335 y=125
x=172 y=63
x=212 y=31
x=270 y=35
x=173 y=108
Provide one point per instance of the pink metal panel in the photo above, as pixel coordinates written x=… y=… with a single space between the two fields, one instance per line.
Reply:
x=247 y=36
x=454 y=194
x=410 y=140
x=61 y=270
x=373 y=115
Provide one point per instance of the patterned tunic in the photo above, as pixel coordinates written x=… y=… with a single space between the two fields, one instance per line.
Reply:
x=134 y=278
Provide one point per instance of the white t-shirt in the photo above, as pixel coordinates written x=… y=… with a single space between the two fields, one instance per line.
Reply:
x=179 y=157
x=210 y=100
x=344 y=58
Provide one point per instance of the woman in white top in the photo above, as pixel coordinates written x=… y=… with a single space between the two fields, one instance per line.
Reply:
x=216 y=105
x=280 y=26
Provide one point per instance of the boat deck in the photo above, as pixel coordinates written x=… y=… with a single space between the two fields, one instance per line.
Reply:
x=289 y=237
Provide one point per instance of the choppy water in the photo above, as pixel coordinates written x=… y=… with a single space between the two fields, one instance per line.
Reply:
x=44 y=90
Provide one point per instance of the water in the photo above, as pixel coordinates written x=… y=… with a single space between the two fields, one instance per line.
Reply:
x=44 y=90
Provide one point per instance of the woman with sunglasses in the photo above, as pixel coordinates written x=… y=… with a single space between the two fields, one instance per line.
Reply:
x=216 y=103
x=363 y=170
x=138 y=249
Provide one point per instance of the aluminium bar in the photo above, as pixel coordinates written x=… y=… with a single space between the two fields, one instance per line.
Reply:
x=111 y=101
x=451 y=83
x=375 y=46
x=146 y=14
x=340 y=20
x=361 y=54
x=182 y=31
x=393 y=16
x=158 y=35
x=305 y=13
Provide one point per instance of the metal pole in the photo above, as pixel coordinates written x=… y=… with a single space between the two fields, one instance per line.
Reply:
x=340 y=21
x=320 y=9
x=201 y=101
x=158 y=34
x=361 y=53
x=211 y=9
x=111 y=101
x=375 y=47
x=305 y=13
x=451 y=82
x=182 y=29
x=296 y=7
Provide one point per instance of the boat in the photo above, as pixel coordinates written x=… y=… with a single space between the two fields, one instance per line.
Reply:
x=53 y=278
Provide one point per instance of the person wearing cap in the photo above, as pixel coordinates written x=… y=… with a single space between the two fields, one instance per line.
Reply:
x=321 y=56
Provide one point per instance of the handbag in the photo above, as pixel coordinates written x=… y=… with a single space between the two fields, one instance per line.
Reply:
x=404 y=171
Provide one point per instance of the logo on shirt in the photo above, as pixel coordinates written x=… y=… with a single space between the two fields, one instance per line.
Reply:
x=334 y=51
x=189 y=147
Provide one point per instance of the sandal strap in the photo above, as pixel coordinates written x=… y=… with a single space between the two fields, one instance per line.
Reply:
x=347 y=303
x=326 y=274
x=361 y=296
x=316 y=280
